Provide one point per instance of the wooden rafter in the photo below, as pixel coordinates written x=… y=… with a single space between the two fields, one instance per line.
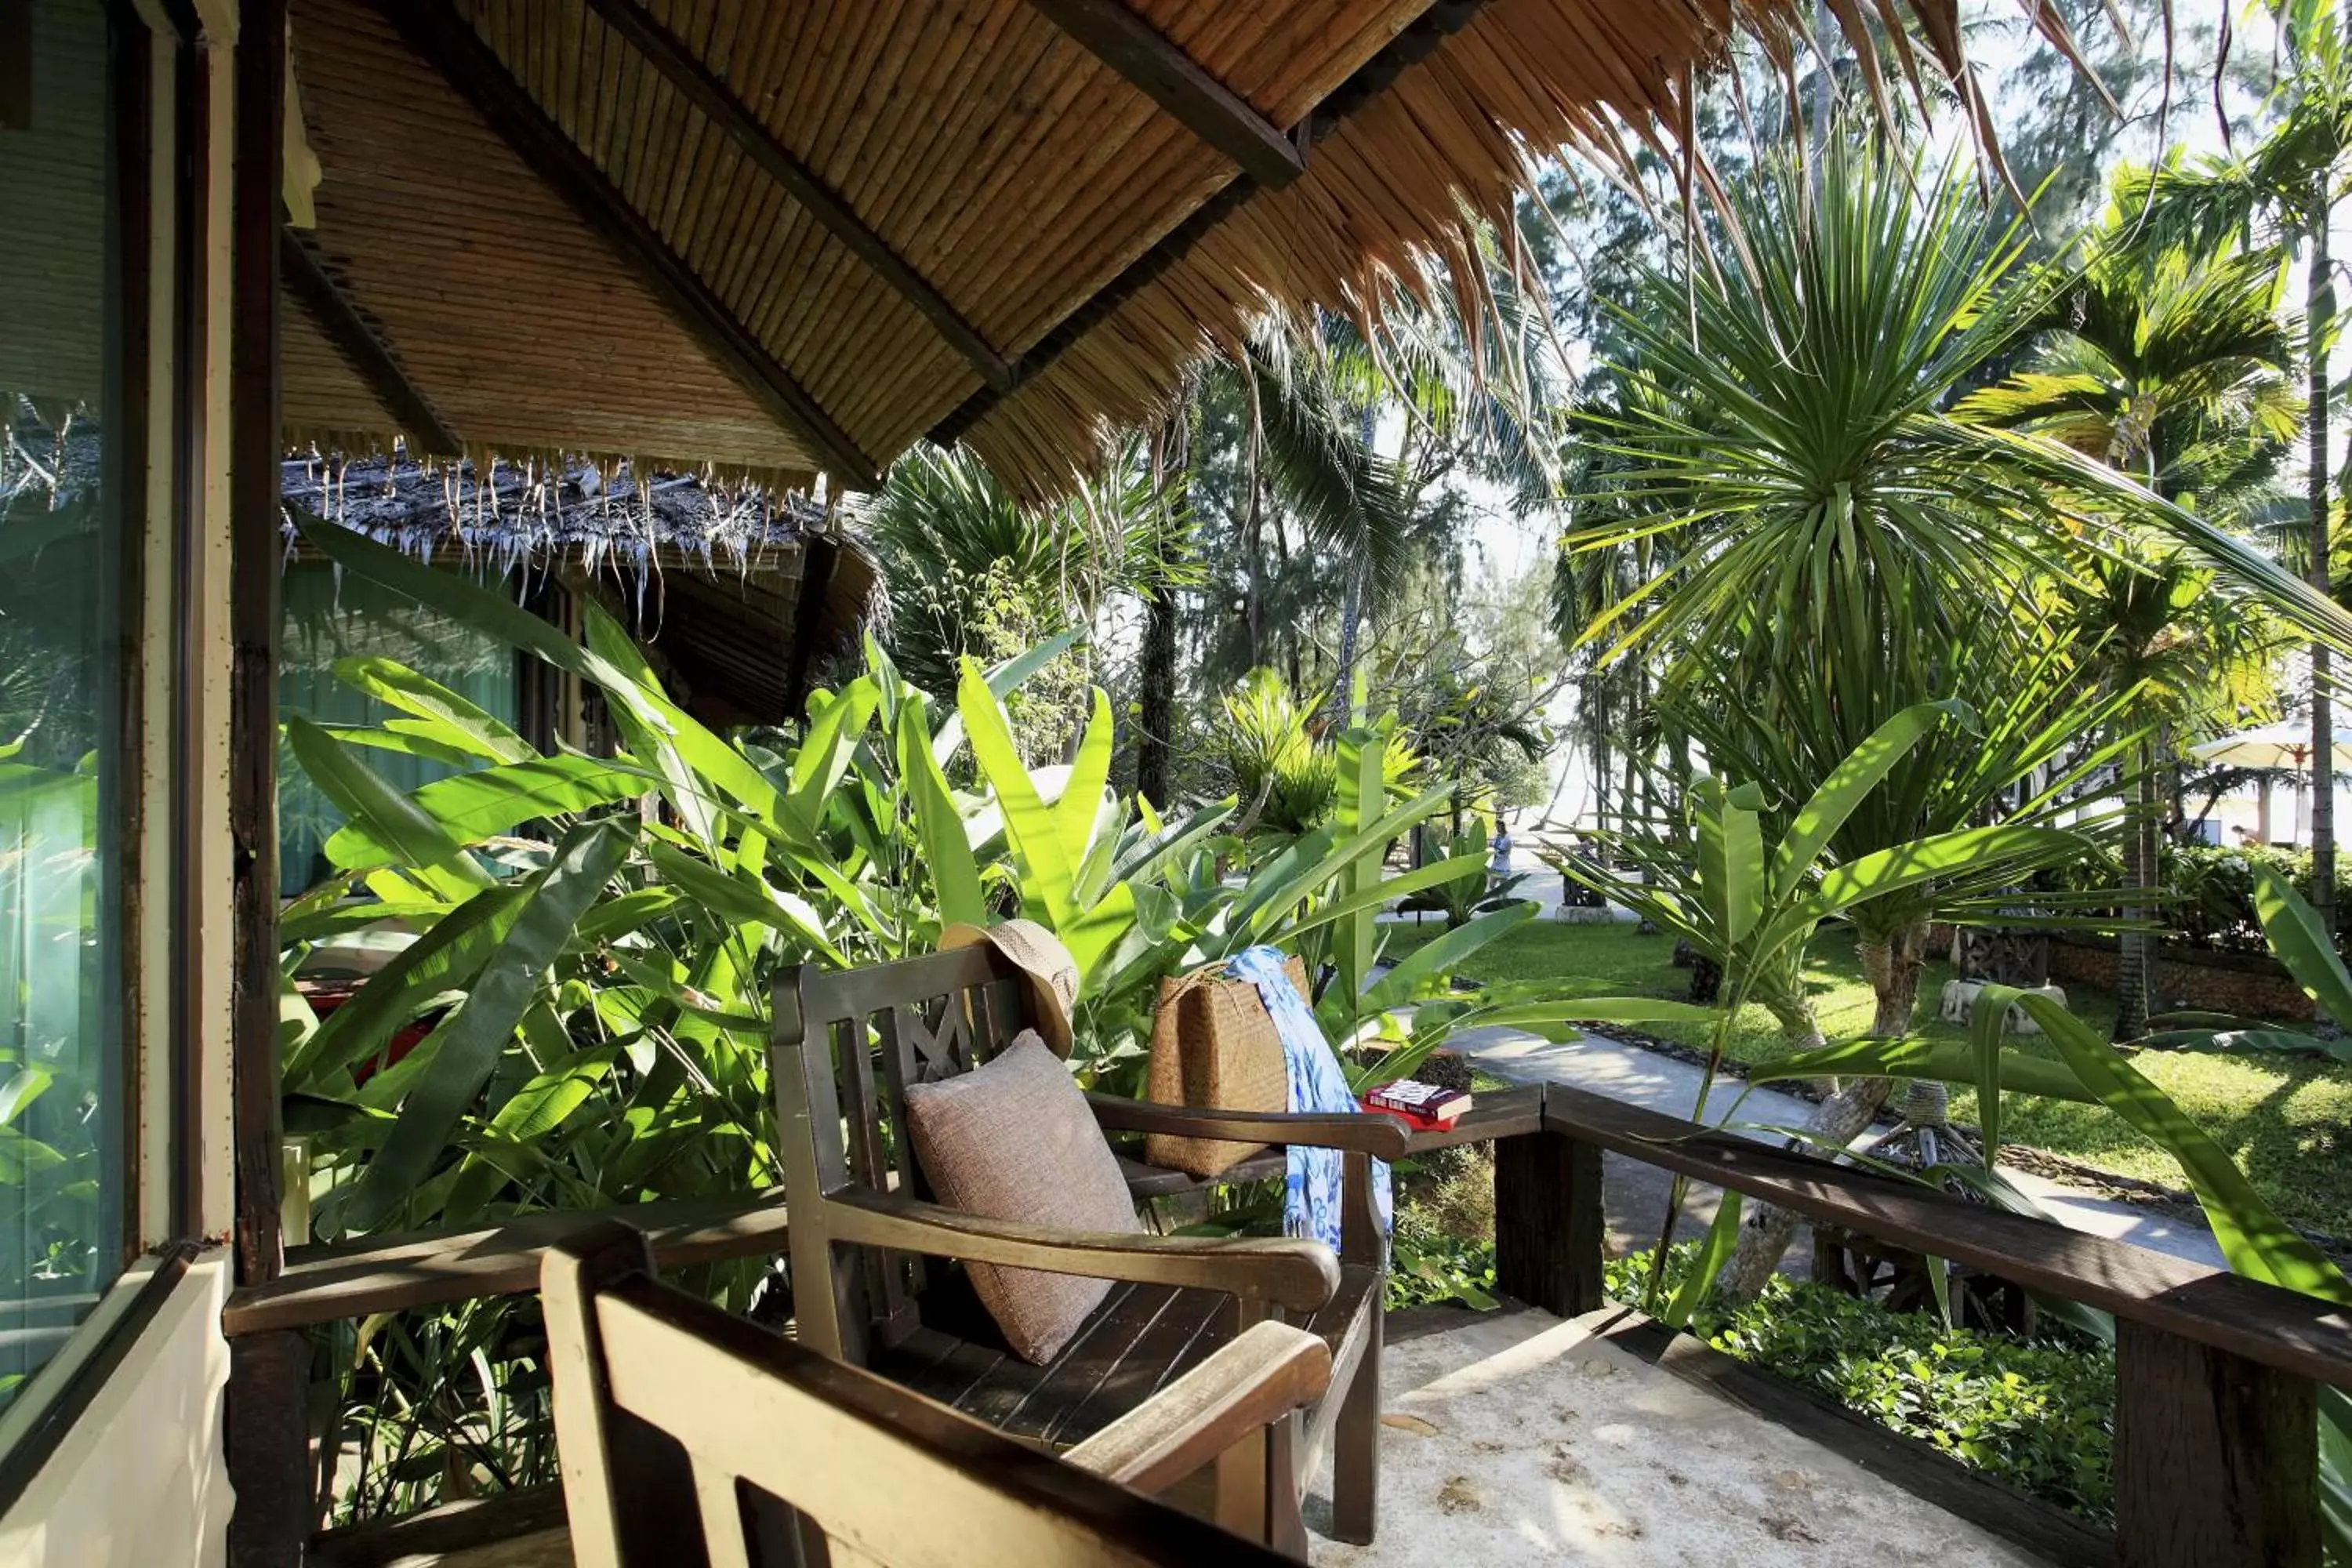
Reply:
x=1212 y=110
x=364 y=347
x=1415 y=44
x=685 y=70
x=442 y=37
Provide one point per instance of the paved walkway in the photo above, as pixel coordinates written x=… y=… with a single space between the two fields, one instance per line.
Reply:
x=1668 y=1084
x=1665 y=1083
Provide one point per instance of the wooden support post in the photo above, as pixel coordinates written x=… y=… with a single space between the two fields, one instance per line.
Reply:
x=269 y=1449
x=2216 y=1458
x=1548 y=1228
x=256 y=447
x=264 y=1433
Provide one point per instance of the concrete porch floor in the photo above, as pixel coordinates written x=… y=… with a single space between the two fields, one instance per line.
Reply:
x=1519 y=1438
x=1515 y=1437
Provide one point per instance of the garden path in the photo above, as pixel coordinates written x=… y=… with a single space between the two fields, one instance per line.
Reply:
x=1660 y=1082
x=1665 y=1083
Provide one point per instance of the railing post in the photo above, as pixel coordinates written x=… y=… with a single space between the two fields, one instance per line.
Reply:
x=1548 y=1228
x=267 y=1449
x=2216 y=1459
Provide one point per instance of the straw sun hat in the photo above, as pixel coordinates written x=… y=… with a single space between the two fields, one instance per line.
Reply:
x=1045 y=966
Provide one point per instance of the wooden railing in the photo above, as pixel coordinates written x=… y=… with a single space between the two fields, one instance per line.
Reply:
x=2216 y=1456
x=2215 y=1450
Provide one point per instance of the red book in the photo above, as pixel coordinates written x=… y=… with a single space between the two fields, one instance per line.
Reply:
x=1424 y=1105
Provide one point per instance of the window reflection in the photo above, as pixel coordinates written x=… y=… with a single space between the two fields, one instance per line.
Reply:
x=62 y=586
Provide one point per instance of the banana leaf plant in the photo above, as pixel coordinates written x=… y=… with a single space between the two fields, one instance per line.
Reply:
x=590 y=976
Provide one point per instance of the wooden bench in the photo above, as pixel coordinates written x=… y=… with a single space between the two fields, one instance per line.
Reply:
x=867 y=1287
x=690 y=1438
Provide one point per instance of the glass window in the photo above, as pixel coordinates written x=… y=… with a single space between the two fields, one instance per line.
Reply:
x=330 y=616
x=64 y=591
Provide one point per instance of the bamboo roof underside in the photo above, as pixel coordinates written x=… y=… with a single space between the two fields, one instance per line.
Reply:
x=993 y=234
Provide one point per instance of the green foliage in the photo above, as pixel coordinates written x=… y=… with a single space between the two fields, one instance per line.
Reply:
x=1267 y=746
x=1429 y=1267
x=589 y=978
x=1462 y=898
x=2040 y=1414
x=2209 y=892
x=2281 y=1118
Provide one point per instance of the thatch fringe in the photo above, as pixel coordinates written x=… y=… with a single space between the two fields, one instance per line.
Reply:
x=1400 y=183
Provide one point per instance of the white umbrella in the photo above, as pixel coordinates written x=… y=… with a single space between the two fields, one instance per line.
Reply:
x=2272 y=746
x=2279 y=746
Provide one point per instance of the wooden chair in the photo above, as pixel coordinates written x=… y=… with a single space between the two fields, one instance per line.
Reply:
x=691 y=1439
x=866 y=1286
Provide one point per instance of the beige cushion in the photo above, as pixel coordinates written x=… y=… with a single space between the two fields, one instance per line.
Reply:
x=1013 y=1139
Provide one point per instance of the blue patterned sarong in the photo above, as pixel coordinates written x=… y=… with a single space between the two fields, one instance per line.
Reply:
x=1310 y=1201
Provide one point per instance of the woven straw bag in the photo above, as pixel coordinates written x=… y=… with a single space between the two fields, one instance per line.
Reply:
x=1214 y=1048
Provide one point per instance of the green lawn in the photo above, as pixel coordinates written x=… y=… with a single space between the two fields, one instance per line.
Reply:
x=2287 y=1122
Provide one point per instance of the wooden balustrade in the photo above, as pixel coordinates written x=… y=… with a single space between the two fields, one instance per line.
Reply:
x=2215 y=1454
x=2216 y=1376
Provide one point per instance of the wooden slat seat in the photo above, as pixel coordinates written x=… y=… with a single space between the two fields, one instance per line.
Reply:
x=1141 y=1339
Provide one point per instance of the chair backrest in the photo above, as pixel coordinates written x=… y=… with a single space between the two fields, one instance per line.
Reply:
x=688 y=1436
x=848 y=1043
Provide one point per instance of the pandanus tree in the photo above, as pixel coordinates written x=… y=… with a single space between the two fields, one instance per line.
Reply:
x=1840 y=536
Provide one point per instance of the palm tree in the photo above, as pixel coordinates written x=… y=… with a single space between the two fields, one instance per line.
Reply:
x=973 y=571
x=2155 y=633
x=2174 y=366
x=2280 y=196
x=1156 y=697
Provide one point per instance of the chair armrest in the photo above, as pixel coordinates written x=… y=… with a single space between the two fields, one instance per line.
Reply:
x=1296 y=1275
x=1382 y=1137
x=1262 y=1376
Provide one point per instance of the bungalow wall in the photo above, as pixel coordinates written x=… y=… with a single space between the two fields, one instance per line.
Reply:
x=117 y=865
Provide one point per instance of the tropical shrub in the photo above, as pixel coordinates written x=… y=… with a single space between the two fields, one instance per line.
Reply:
x=2209 y=893
x=2039 y=1414
x=1460 y=898
x=583 y=998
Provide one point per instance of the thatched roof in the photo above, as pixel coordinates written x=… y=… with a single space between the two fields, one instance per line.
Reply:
x=740 y=594
x=793 y=236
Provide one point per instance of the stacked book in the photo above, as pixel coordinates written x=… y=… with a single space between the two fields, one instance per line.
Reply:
x=1427 y=1107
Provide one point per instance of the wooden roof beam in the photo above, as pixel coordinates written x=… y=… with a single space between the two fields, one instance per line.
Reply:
x=687 y=71
x=1416 y=42
x=443 y=38
x=364 y=347
x=1172 y=78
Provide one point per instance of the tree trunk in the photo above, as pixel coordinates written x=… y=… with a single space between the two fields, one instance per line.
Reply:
x=1892 y=967
x=1156 y=700
x=1156 y=680
x=1254 y=533
x=2134 y=959
x=2319 y=309
x=1351 y=614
